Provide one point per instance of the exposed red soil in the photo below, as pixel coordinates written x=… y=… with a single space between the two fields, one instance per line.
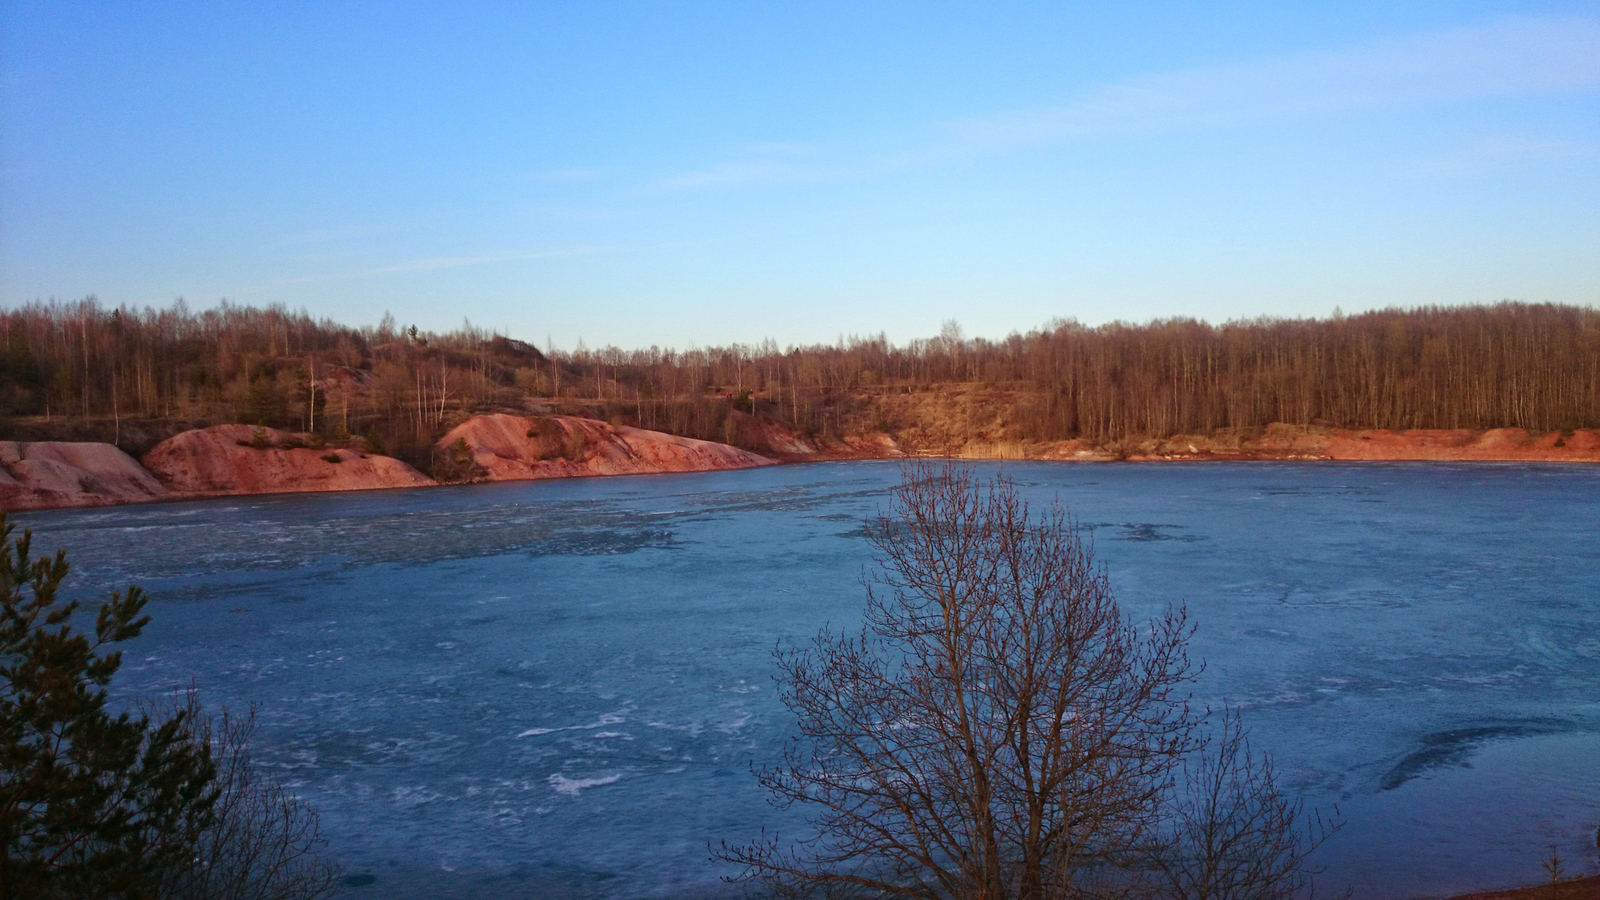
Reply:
x=786 y=446
x=515 y=448
x=226 y=459
x=223 y=459
x=1276 y=442
x=1442 y=445
x=1495 y=444
x=51 y=474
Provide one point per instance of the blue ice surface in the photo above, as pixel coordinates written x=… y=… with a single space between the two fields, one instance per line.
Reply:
x=556 y=689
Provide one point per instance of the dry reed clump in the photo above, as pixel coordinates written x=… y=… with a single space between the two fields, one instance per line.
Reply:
x=994 y=450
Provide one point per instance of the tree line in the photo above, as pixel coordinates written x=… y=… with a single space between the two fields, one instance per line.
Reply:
x=1535 y=366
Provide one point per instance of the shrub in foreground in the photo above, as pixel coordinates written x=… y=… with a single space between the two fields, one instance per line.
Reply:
x=132 y=804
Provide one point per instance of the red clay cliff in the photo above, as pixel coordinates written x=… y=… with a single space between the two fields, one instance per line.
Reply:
x=514 y=448
x=239 y=459
x=52 y=474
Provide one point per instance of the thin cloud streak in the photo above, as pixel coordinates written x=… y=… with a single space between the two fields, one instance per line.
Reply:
x=1505 y=58
x=1508 y=57
x=575 y=213
x=764 y=173
x=324 y=235
x=1500 y=152
x=737 y=174
x=578 y=174
x=440 y=263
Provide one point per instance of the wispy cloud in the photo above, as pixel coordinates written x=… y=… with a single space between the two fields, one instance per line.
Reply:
x=1498 y=152
x=766 y=172
x=1508 y=57
x=580 y=213
x=439 y=263
x=575 y=174
x=781 y=148
x=766 y=162
x=324 y=235
x=738 y=174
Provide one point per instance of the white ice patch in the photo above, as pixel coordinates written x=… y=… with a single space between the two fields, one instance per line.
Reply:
x=603 y=721
x=693 y=729
x=571 y=786
x=415 y=796
x=738 y=722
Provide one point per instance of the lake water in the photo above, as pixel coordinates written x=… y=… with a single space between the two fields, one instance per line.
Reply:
x=555 y=689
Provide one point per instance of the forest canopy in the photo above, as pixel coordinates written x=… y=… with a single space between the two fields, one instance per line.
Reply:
x=1506 y=365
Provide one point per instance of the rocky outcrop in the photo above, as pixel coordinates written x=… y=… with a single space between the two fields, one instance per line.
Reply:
x=504 y=447
x=50 y=474
x=239 y=459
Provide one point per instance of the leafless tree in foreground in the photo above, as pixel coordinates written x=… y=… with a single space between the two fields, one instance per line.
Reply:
x=998 y=729
x=1232 y=835
x=263 y=842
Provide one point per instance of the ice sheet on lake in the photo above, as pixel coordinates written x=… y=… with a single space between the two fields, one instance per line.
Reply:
x=556 y=689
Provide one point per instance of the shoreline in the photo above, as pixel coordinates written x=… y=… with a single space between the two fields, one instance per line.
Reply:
x=1581 y=888
x=241 y=460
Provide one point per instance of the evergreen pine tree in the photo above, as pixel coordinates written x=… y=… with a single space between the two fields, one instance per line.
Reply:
x=93 y=803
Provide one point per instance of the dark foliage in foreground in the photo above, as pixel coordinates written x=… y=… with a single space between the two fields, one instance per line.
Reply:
x=97 y=804
x=263 y=842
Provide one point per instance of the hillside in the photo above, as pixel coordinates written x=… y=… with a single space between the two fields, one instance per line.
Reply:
x=136 y=377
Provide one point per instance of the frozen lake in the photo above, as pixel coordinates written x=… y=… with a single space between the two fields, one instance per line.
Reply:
x=555 y=689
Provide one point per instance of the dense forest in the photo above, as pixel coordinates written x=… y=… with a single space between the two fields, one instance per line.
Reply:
x=83 y=370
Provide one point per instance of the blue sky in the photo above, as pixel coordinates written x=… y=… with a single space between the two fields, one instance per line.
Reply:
x=671 y=174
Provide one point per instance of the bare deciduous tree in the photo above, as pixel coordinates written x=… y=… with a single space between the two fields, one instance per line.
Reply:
x=1232 y=834
x=996 y=730
x=137 y=374
x=999 y=729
